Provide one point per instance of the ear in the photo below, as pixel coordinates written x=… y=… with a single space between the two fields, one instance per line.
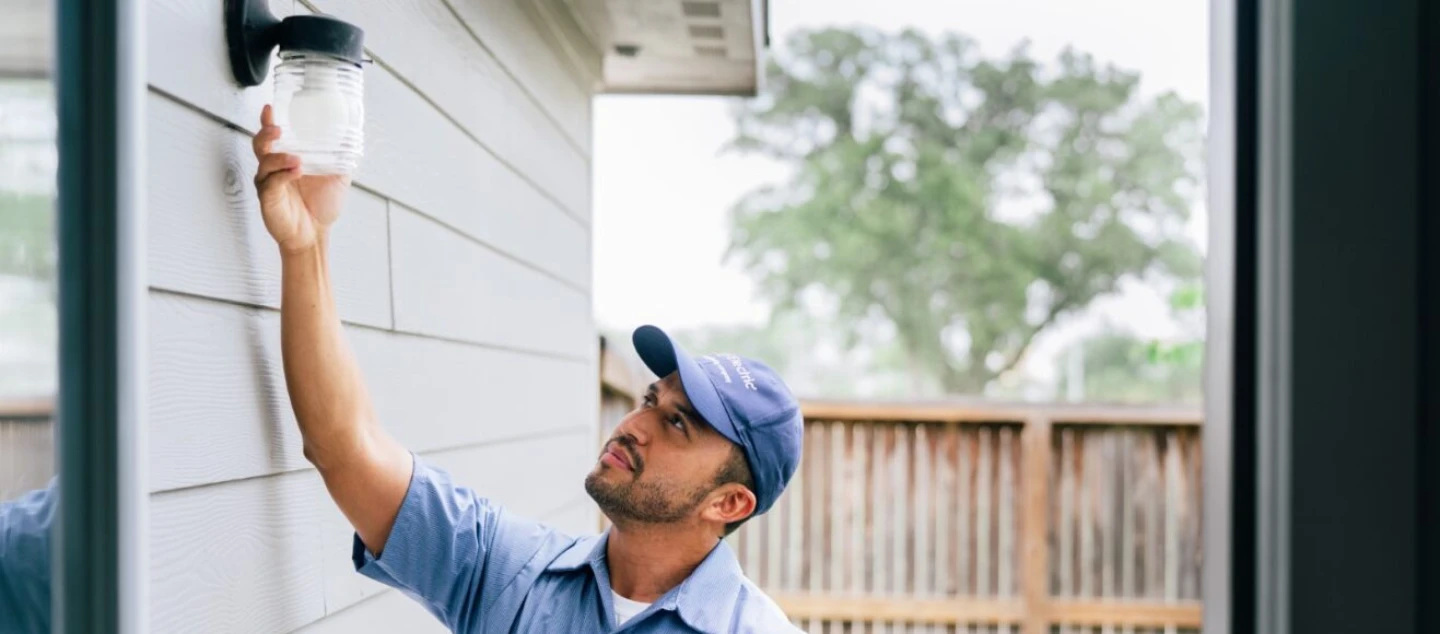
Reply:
x=729 y=503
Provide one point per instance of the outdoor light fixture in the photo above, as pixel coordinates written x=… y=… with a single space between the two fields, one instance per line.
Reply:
x=319 y=86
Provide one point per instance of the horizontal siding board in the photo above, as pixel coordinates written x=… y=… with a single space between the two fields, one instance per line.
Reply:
x=448 y=286
x=273 y=554
x=421 y=160
x=413 y=153
x=518 y=45
x=474 y=196
x=553 y=469
x=219 y=408
x=186 y=56
x=344 y=586
x=527 y=132
x=531 y=477
x=386 y=613
x=436 y=394
x=206 y=234
x=239 y=557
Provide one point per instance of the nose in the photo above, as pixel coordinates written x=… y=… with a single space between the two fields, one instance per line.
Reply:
x=635 y=426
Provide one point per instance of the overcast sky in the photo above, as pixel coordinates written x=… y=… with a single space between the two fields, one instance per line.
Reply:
x=658 y=166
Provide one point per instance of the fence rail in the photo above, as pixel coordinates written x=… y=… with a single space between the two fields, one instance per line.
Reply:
x=27 y=446
x=978 y=517
x=1001 y=518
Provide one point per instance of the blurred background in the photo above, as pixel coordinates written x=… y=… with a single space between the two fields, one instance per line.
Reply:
x=971 y=236
x=981 y=198
x=28 y=321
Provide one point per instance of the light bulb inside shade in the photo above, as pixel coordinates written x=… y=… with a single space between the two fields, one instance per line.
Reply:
x=319 y=108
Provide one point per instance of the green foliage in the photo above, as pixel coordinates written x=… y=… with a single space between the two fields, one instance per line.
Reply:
x=805 y=352
x=27 y=236
x=968 y=202
x=1122 y=368
x=28 y=320
x=1119 y=367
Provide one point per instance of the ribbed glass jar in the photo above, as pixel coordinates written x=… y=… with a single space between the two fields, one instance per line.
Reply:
x=319 y=106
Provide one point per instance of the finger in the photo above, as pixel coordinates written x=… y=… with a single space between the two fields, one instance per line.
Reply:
x=267 y=116
x=272 y=163
x=275 y=180
x=264 y=139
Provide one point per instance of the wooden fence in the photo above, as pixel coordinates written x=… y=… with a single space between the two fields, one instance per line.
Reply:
x=986 y=518
x=27 y=446
x=980 y=518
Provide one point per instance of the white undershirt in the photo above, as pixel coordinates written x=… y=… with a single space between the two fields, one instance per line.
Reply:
x=626 y=609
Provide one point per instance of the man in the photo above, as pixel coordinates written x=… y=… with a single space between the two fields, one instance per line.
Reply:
x=25 y=560
x=715 y=442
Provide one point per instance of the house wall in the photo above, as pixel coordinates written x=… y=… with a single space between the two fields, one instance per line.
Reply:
x=462 y=273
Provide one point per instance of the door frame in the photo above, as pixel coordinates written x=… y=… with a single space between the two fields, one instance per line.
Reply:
x=99 y=582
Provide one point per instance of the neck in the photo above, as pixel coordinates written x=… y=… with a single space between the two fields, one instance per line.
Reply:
x=646 y=561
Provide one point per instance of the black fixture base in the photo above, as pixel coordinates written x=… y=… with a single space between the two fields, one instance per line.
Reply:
x=324 y=35
x=250 y=31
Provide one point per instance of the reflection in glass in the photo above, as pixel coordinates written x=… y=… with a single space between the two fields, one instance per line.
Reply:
x=28 y=319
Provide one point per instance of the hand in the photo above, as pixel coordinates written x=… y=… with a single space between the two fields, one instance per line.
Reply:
x=298 y=209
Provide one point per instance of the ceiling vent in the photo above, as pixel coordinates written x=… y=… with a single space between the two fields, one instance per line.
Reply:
x=703 y=32
x=701 y=9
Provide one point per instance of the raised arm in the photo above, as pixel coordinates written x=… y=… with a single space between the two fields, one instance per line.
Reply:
x=366 y=471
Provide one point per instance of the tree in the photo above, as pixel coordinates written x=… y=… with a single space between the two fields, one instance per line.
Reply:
x=27 y=240
x=808 y=353
x=969 y=202
x=1119 y=367
x=28 y=321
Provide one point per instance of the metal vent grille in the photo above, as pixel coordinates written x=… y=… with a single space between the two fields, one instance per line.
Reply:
x=710 y=51
x=701 y=9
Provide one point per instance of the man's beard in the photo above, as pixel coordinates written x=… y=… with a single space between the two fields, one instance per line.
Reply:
x=643 y=501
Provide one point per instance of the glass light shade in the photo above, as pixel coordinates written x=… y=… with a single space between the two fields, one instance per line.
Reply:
x=319 y=106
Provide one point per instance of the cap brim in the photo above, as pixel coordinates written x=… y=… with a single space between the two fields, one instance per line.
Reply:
x=664 y=357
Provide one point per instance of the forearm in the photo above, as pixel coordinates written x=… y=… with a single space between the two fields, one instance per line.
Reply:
x=365 y=469
x=326 y=389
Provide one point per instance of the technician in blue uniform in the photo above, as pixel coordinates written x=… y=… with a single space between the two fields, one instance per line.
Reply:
x=714 y=444
x=25 y=560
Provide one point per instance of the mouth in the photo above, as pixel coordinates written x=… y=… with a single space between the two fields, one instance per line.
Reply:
x=615 y=456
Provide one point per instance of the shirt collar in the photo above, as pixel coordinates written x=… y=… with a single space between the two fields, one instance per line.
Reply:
x=579 y=554
x=705 y=600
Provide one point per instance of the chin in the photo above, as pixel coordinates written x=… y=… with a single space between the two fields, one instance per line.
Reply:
x=602 y=471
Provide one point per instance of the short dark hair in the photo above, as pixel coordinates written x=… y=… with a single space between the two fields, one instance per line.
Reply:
x=737 y=470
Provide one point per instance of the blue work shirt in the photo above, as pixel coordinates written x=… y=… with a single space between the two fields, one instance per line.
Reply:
x=478 y=568
x=25 y=561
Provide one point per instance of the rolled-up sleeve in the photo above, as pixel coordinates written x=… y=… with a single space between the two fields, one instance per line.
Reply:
x=449 y=548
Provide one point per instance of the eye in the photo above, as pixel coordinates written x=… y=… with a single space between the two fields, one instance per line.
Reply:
x=649 y=401
x=678 y=422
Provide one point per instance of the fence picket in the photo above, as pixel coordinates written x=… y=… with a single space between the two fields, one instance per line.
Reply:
x=919 y=513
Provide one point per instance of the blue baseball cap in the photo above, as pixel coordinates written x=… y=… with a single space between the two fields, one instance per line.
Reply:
x=744 y=400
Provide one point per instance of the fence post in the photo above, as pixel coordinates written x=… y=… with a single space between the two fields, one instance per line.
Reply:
x=1036 y=490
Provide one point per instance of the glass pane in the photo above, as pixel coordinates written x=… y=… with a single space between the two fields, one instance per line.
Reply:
x=28 y=321
x=970 y=236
